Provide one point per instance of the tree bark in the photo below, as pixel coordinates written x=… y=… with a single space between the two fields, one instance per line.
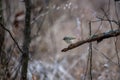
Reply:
x=2 y=56
x=27 y=40
x=2 y=31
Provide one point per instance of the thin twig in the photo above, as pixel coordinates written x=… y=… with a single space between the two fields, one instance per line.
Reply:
x=118 y=58
x=103 y=54
x=1 y=25
x=107 y=18
x=113 y=21
x=86 y=68
x=90 y=51
x=116 y=12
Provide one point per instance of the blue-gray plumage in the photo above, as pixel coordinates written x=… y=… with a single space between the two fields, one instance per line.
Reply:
x=68 y=39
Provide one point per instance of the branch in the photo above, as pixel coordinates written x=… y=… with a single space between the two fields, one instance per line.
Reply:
x=98 y=38
x=2 y=26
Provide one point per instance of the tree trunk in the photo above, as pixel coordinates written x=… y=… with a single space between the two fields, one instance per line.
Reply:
x=2 y=55
x=27 y=40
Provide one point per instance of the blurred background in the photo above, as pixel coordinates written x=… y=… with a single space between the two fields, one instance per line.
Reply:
x=51 y=21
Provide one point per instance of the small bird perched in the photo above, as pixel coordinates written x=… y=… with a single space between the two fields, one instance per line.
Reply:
x=68 y=40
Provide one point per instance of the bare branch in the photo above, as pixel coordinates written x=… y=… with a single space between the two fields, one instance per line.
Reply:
x=99 y=37
x=1 y=25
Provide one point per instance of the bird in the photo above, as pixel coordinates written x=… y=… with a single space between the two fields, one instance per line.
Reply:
x=69 y=40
